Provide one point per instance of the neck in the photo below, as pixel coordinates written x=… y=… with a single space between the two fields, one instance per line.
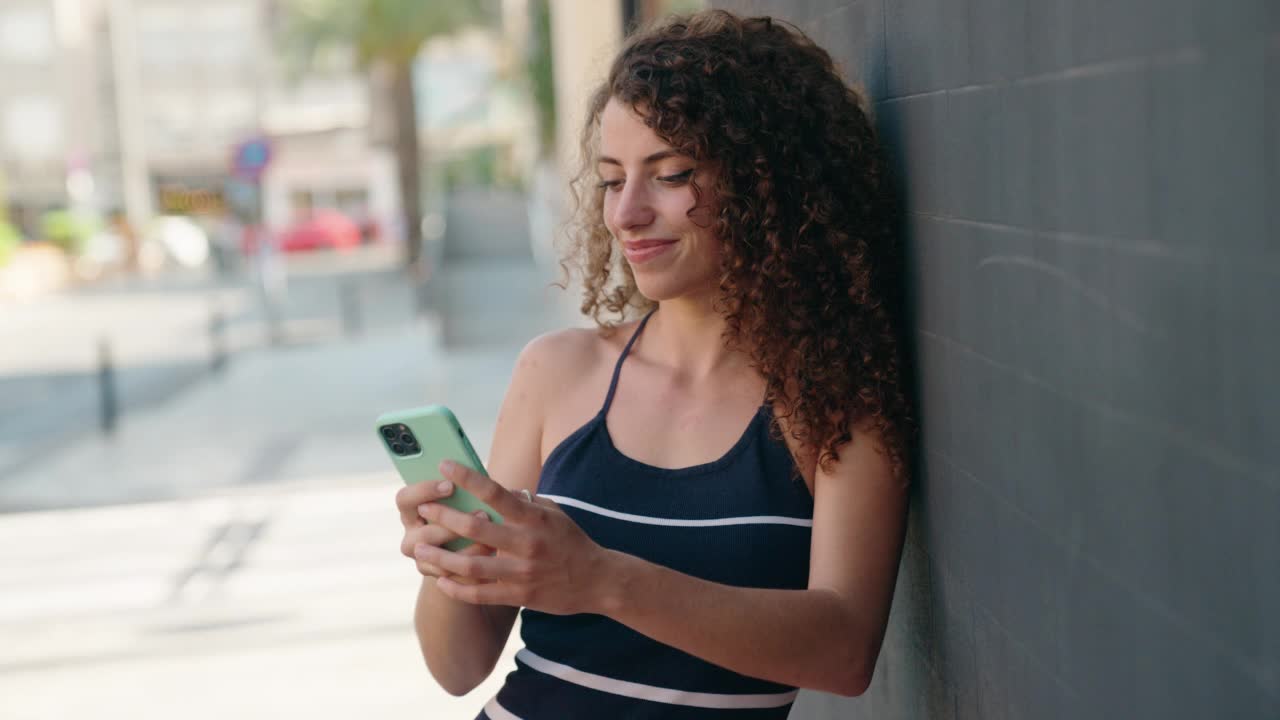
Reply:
x=688 y=333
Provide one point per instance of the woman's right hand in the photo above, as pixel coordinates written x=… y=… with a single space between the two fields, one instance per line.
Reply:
x=412 y=500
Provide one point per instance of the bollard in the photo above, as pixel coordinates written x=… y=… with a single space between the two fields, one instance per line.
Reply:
x=217 y=341
x=349 y=301
x=107 y=388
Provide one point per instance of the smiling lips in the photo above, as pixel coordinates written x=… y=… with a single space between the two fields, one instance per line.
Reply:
x=639 y=251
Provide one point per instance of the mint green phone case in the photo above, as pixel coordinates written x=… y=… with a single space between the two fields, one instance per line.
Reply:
x=440 y=437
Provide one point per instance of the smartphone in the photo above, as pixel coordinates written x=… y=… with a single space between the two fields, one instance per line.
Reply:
x=418 y=439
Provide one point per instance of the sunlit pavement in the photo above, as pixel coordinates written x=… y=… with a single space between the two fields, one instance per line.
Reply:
x=234 y=552
x=287 y=601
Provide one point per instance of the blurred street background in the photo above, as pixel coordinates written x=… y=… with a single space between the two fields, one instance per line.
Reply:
x=232 y=233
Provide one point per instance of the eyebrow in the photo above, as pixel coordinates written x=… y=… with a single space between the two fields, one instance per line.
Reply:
x=660 y=155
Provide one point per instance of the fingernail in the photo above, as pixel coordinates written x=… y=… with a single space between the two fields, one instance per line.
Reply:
x=444 y=487
x=448 y=467
x=481 y=514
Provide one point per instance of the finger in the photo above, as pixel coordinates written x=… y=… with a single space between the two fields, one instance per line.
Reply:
x=478 y=567
x=429 y=570
x=414 y=494
x=416 y=551
x=436 y=535
x=491 y=493
x=475 y=548
x=473 y=527
x=433 y=572
x=409 y=497
x=406 y=503
x=485 y=594
x=439 y=535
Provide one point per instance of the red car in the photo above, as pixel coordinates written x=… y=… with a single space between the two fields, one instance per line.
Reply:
x=322 y=229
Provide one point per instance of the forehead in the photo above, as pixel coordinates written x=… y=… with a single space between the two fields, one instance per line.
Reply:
x=624 y=135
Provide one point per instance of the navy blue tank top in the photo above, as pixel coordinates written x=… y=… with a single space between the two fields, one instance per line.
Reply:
x=740 y=520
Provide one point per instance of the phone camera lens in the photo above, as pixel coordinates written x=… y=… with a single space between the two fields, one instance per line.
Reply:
x=406 y=438
x=398 y=448
x=388 y=432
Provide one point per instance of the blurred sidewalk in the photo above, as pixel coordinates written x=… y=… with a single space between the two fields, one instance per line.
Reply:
x=161 y=336
x=157 y=332
x=233 y=551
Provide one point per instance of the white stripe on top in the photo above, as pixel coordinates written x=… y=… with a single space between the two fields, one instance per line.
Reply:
x=497 y=712
x=670 y=696
x=672 y=522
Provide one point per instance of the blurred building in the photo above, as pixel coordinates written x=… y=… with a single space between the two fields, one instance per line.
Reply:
x=194 y=82
x=138 y=105
x=212 y=76
x=48 y=128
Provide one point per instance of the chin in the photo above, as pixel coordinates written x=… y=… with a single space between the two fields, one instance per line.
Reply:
x=661 y=286
x=655 y=291
x=653 y=286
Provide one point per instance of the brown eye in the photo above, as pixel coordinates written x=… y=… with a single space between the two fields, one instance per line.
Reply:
x=678 y=179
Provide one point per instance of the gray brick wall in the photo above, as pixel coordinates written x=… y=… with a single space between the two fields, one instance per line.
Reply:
x=1094 y=242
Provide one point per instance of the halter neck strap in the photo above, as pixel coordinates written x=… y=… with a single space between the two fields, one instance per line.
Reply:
x=617 y=369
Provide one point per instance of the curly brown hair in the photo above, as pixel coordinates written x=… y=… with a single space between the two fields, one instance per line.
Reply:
x=804 y=210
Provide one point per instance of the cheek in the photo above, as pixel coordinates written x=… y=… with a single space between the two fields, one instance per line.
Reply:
x=678 y=211
x=714 y=249
x=703 y=249
x=607 y=209
x=703 y=215
x=700 y=209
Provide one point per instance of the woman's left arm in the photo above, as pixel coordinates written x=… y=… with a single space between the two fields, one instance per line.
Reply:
x=826 y=637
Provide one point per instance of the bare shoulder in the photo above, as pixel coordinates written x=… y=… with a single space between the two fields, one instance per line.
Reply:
x=562 y=378
x=558 y=367
x=543 y=376
x=556 y=359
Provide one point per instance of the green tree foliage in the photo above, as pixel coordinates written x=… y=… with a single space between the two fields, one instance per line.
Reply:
x=541 y=74
x=66 y=229
x=9 y=241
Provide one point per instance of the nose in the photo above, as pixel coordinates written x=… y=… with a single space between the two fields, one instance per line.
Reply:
x=632 y=207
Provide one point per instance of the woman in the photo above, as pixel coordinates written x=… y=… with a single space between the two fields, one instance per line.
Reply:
x=673 y=564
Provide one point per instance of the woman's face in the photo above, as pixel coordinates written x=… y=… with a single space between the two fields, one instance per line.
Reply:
x=648 y=196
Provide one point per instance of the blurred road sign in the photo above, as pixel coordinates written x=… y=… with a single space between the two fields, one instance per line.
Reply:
x=251 y=158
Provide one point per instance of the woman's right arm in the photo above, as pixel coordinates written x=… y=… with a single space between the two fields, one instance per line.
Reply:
x=461 y=643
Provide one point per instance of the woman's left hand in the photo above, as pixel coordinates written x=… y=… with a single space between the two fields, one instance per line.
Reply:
x=544 y=561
